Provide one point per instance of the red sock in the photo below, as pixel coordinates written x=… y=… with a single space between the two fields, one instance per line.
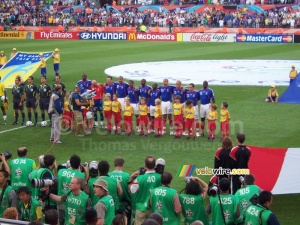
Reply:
x=164 y=124
x=170 y=122
x=137 y=121
x=202 y=127
x=197 y=125
x=152 y=124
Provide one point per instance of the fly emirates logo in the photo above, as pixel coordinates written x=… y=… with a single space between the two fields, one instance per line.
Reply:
x=56 y=35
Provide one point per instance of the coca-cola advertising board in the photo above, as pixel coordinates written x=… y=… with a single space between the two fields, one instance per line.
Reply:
x=208 y=37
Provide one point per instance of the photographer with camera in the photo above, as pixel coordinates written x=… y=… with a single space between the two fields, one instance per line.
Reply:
x=8 y=197
x=114 y=187
x=31 y=209
x=246 y=196
x=76 y=104
x=222 y=205
x=240 y=156
x=76 y=202
x=123 y=178
x=4 y=165
x=141 y=183
x=46 y=181
x=93 y=177
x=165 y=201
x=260 y=213
x=21 y=167
x=64 y=178
x=192 y=201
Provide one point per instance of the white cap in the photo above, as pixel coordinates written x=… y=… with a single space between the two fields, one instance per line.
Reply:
x=160 y=161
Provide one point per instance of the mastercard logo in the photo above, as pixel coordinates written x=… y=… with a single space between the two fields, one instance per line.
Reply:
x=241 y=38
x=287 y=38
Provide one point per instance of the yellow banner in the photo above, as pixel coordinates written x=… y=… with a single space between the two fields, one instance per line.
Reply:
x=16 y=34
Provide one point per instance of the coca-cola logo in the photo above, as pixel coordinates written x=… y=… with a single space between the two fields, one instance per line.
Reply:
x=201 y=37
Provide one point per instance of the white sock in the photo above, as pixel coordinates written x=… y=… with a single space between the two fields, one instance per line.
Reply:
x=4 y=117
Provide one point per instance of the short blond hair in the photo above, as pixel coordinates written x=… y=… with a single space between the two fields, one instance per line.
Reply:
x=107 y=95
x=157 y=101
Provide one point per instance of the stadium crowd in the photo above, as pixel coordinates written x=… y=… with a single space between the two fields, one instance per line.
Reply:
x=93 y=193
x=26 y=13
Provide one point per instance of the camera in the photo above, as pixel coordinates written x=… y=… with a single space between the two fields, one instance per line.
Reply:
x=142 y=170
x=93 y=169
x=64 y=165
x=213 y=190
x=241 y=179
x=7 y=155
x=187 y=180
x=40 y=183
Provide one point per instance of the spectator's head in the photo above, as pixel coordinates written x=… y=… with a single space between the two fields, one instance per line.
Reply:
x=24 y=194
x=240 y=138
x=157 y=217
x=120 y=219
x=205 y=84
x=166 y=178
x=10 y=213
x=76 y=184
x=193 y=188
x=150 y=222
x=227 y=143
x=103 y=168
x=265 y=198
x=100 y=188
x=224 y=185
x=119 y=162
x=150 y=162
x=51 y=217
x=3 y=177
x=75 y=161
x=22 y=152
x=249 y=179
x=90 y=216
x=49 y=160
x=197 y=222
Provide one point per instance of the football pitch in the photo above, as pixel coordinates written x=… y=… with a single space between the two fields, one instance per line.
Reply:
x=265 y=124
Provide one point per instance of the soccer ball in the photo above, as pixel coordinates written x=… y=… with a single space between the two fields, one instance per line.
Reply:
x=29 y=124
x=3 y=98
x=89 y=115
x=44 y=123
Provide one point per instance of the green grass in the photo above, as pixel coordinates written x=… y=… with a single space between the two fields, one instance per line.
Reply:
x=269 y=125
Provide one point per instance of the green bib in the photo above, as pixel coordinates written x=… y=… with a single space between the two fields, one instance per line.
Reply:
x=35 y=191
x=123 y=179
x=92 y=195
x=146 y=182
x=5 y=200
x=193 y=208
x=64 y=179
x=163 y=203
x=29 y=213
x=112 y=186
x=108 y=201
x=39 y=175
x=229 y=205
x=254 y=213
x=20 y=169
x=243 y=196
x=75 y=208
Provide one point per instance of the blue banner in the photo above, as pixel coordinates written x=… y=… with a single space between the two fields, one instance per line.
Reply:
x=102 y=36
x=23 y=64
x=265 y=38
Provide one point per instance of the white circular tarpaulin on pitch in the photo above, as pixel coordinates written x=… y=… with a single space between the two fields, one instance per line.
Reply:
x=216 y=72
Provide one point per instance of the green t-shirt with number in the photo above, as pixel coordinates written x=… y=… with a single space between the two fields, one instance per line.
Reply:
x=92 y=195
x=146 y=183
x=20 y=169
x=75 y=208
x=108 y=201
x=64 y=179
x=229 y=205
x=243 y=197
x=123 y=179
x=112 y=186
x=193 y=208
x=255 y=213
x=162 y=199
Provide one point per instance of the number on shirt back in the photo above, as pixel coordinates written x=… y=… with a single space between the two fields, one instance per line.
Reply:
x=188 y=200
x=226 y=201
x=68 y=174
x=119 y=178
x=160 y=192
x=151 y=179
x=245 y=191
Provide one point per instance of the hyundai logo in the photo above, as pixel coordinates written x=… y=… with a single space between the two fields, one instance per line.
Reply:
x=85 y=36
